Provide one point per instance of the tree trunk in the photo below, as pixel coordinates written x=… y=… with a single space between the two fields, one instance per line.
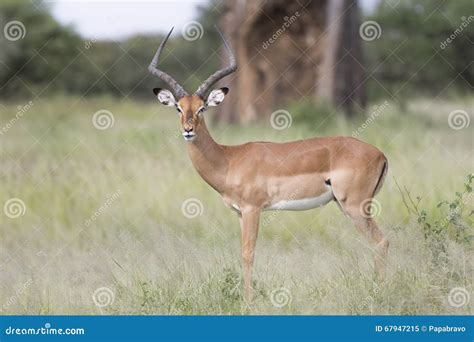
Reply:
x=292 y=51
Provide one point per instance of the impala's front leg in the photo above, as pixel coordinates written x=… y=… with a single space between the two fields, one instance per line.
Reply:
x=249 y=229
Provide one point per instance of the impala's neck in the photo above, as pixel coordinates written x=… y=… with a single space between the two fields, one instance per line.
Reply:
x=208 y=158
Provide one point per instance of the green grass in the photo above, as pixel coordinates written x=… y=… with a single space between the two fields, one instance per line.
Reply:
x=157 y=261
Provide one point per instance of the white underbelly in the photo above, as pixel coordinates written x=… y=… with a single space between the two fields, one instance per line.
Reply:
x=302 y=204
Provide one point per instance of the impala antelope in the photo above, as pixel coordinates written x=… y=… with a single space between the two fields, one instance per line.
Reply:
x=259 y=176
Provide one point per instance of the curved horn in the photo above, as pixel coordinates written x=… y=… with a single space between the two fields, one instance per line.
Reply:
x=178 y=90
x=203 y=88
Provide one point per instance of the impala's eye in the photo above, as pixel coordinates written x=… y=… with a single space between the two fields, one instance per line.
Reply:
x=201 y=110
x=179 y=110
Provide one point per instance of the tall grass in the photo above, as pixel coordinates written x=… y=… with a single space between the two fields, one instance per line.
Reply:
x=104 y=209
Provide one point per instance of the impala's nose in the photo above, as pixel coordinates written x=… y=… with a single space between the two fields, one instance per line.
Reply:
x=188 y=130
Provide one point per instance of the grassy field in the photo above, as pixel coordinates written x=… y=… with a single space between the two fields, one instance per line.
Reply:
x=93 y=220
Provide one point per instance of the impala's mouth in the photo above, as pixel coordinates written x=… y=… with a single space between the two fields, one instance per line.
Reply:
x=189 y=136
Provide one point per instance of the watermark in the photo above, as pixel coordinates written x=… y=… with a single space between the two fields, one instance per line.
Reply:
x=459 y=119
x=281 y=297
x=14 y=208
x=281 y=119
x=370 y=298
x=41 y=254
x=445 y=329
x=89 y=43
x=192 y=31
x=370 y=30
x=458 y=297
x=103 y=119
x=464 y=23
x=18 y=292
x=192 y=208
x=287 y=22
x=370 y=208
x=14 y=30
x=375 y=113
x=21 y=110
x=46 y=330
x=269 y=218
x=394 y=328
x=108 y=202
x=453 y=213
x=103 y=296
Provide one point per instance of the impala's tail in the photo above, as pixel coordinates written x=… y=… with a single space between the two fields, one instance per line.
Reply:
x=381 y=178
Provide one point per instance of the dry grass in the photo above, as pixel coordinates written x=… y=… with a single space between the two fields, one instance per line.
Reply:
x=157 y=261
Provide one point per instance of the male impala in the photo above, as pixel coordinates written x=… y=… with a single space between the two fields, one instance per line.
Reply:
x=259 y=176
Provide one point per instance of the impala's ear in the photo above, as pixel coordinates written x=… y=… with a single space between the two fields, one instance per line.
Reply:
x=216 y=96
x=165 y=97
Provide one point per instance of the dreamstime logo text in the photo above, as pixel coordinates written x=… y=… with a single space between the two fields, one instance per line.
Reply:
x=21 y=110
x=88 y=44
x=108 y=202
x=192 y=31
x=14 y=30
x=18 y=292
x=375 y=113
x=288 y=21
x=464 y=23
x=370 y=30
x=47 y=329
x=269 y=218
x=454 y=213
x=370 y=298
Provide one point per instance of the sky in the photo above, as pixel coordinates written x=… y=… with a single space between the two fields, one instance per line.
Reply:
x=118 y=19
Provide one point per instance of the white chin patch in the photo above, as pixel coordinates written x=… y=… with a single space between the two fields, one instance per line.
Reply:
x=189 y=136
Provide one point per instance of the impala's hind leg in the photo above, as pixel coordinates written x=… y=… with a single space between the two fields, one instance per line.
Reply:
x=356 y=201
x=361 y=217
